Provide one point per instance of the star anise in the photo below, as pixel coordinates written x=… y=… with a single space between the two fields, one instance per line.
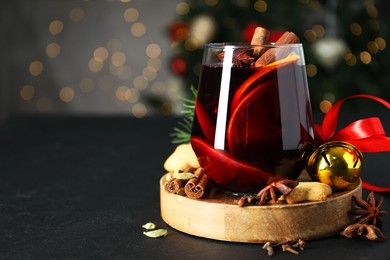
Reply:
x=369 y=211
x=371 y=232
x=272 y=193
x=241 y=58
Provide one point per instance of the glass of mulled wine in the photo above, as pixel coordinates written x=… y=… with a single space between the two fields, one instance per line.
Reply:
x=253 y=115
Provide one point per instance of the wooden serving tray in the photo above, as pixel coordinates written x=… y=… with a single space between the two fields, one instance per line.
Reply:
x=217 y=216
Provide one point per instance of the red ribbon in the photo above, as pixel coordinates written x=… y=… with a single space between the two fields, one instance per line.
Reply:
x=367 y=135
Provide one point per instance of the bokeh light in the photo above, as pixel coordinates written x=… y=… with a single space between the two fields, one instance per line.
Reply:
x=118 y=58
x=27 y=92
x=100 y=54
x=140 y=82
x=260 y=6
x=66 y=94
x=153 y=50
x=365 y=57
x=381 y=43
x=356 y=29
x=182 y=8
x=95 y=65
x=325 y=105
x=36 y=68
x=76 y=14
x=130 y=15
x=53 y=50
x=138 y=29
x=311 y=70
x=150 y=73
x=56 y=27
x=139 y=110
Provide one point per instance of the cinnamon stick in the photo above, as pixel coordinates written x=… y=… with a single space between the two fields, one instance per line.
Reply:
x=174 y=185
x=196 y=187
x=270 y=55
x=260 y=37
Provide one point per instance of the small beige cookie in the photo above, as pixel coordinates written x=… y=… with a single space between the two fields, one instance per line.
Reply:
x=182 y=158
x=308 y=191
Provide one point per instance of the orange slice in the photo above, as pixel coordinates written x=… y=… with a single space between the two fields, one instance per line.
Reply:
x=254 y=125
x=251 y=82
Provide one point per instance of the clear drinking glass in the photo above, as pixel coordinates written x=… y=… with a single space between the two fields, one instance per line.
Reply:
x=252 y=115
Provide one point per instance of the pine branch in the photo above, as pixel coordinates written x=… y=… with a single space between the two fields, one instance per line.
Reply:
x=182 y=133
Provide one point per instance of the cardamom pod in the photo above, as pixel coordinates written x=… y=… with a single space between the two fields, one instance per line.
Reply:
x=183 y=175
x=156 y=233
x=149 y=225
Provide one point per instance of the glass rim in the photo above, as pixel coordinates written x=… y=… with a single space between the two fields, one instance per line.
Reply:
x=245 y=45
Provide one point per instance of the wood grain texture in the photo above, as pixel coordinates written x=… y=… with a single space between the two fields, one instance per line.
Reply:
x=217 y=216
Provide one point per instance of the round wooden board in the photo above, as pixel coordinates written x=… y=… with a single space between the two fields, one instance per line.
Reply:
x=217 y=216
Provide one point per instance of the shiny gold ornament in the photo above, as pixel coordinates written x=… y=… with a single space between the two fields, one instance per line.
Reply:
x=337 y=164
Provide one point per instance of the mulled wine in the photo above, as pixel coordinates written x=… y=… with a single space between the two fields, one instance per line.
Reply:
x=251 y=123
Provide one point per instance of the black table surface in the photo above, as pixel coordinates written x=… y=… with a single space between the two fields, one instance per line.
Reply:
x=82 y=187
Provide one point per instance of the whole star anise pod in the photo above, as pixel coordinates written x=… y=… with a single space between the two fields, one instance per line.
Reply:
x=369 y=211
x=276 y=189
x=241 y=58
x=270 y=193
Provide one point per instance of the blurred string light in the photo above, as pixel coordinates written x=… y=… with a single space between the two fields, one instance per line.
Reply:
x=53 y=50
x=138 y=29
x=130 y=15
x=76 y=14
x=107 y=64
x=27 y=92
x=182 y=8
x=56 y=27
x=36 y=68
x=118 y=59
x=66 y=94
x=100 y=54
x=139 y=110
x=260 y=6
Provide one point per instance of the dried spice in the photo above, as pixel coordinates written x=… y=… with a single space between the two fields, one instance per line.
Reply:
x=369 y=211
x=269 y=56
x=370 y=232
x=156 y=233
x=369 y=221
x=241 y=58
x=174 y=185
x=152 y=232
x=276 y=189
x=270 y=193
x=196 y=187
x=149 y=225
x=287 y=246
x=181 y=175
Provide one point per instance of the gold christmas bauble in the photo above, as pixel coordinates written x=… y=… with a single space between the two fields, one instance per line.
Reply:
x=337 y=164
